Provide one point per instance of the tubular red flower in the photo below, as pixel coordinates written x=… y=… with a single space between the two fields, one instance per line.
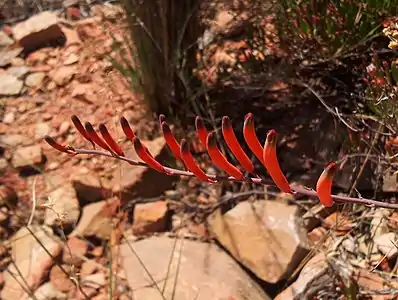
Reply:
x=201 y=130
x=144 y=154
x=233 y=144
x=170 y=140
x=127 y=129
x=57 y=146
x=324 y=184
x=249 y=134
x=190 y=163
x=272 y=165
x=78 y=125
x=109 y=140
x=219 y=159
x=95 y=137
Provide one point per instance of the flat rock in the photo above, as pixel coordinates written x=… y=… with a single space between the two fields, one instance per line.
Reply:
x=27 y=157
x=35 y=79
x=10 y=85
x=64 y=205
x=12 y=140
x=38 y=31
x=150 y=217
x=315 y=271
x=31 y=259
x=7 y=56
x=130 y=181
x=205 y=272
x=89 y=188
x=18 y=71
x=265 y=236
x=63 y=75
x=60 y=280
x=96 y=219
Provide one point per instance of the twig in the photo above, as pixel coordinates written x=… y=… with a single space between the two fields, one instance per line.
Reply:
x=299 y=190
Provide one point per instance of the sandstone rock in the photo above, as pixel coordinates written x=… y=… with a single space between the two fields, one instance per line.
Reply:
x=63 y=206
x=5 y=40
x=205 y=272
x=131 y=181
x=10 y=85
x=42 y=129
x=60 y=280
x=63 y=75
x=266 y=237
x=26 y=157
x=18 y=71
x=35 y=79
x=38 y=31
x=47 y=291
x=314 y=271
x=96 y=219
x=31 y=259
x=150 y=217
x=7 y=55
x=74 y=250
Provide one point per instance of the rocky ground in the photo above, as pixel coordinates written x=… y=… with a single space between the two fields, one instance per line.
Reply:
x=90 y=227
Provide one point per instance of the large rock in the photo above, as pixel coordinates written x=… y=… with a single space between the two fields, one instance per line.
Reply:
x=10 y=85
x=197 y=271
x=96 y=219
x=314 y=274
x=38 y=31
x=63 y=206
x=131 y=181
x=31 y=259
x=27 y=157
x=265 y=236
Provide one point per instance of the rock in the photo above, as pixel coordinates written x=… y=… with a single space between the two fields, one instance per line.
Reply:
x=72 y=37
x=12 y=140
x=266 y=237
x=8 y=196
x=18 y=71
x=64 y=128
x=64 y=206
x=315 y=271
x=63 y=75
x=10 y=85
x=390 y=183
x=71 y=59
x=150 y=217
x=205 y=272
x=27 y=157
x=47 y=291
x=7 y=56
x=35 y=80
x=38 y=31
x=31 y=259
x=17 y=62
x=130 y=181
x=96 y=280
x=89 y=188
x=5 y=40
x=3 y=165
x=96 y=219
x=42 y=129
x=384 y=243
x=70 y=3
x=379 y=223
x=88 y=267
x=9 y=118
x=60 y=280
x=74 y=250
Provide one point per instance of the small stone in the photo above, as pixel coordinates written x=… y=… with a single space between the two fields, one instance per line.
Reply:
x=5 y=40
x=96 y=280
x=60 y=280
x=27 y=156
x=6 y=56
x=10 y=85
x=63 y=75
x=12 y=140
x=384 y=243
x=42 y=129
x=74 y=250
x=390 y=182
x=70 y=3
x=64 y=128
x=51 y=86
x=89 y=188
x=88 y=267
x=3 y=165
x=47 y=291
x=72 y=59
x=35 y=79
x=150 y=217
x=53 y=166
x=9 y=118
x=17 y=62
